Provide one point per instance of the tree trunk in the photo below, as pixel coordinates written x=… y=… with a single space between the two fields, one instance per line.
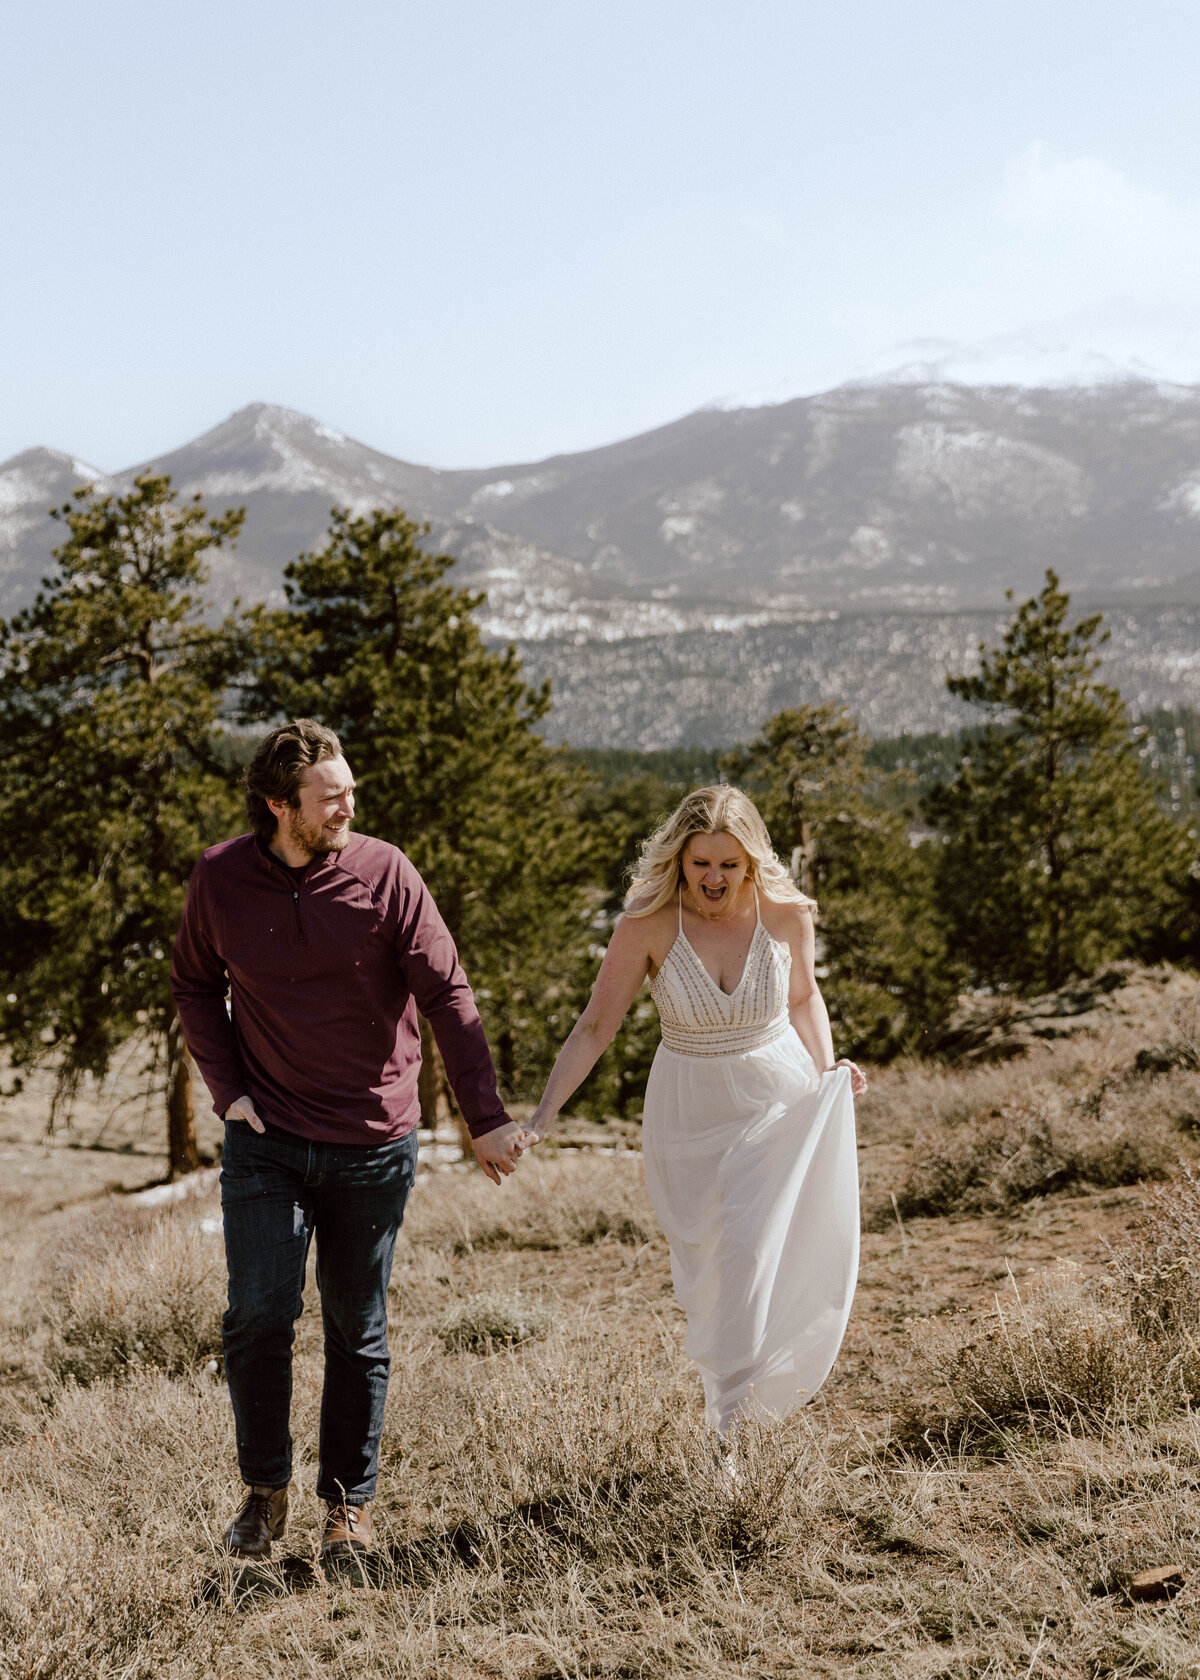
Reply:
x=437 y=1106
x=183 y=1151
x=804 y=858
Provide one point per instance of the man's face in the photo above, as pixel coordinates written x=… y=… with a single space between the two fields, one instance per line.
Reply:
x=321 y=821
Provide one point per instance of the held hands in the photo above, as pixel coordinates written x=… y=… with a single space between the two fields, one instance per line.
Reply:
x=498 y=1151
x=243 y=1109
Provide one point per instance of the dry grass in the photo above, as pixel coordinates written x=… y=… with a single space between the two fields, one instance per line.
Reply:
x=494 y=1320
x=1065 y=1347
x=995 y=1137
x=553 y=1203
x=551 y=1504
x=153 y=1299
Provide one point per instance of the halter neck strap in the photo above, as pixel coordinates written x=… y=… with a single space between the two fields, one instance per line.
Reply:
x=757 y=910
x=679 y=902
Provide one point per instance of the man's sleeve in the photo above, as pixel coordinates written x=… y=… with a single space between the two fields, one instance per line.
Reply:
x=429 y=962
x=199 y=983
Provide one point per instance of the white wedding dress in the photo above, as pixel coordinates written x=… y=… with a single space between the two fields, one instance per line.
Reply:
x=752 y=1169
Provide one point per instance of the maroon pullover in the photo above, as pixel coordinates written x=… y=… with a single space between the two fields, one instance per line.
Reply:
x=325 y=976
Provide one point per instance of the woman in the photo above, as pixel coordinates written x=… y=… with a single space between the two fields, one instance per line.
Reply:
x=748 y=1128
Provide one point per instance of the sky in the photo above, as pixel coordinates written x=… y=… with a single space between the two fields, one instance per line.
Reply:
x=485 y=231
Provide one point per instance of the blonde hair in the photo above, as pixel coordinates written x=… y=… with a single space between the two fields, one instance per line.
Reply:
x=658 y=872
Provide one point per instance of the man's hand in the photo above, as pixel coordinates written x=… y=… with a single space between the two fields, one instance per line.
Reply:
x=498 y=1151
x=243 y=1109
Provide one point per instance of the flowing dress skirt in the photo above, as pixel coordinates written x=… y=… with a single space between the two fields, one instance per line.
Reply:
x=752 y=1169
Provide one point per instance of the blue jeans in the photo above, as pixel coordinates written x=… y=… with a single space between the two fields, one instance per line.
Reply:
x=278 y=1191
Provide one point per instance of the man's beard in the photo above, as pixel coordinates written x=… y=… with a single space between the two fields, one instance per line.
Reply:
x=315 y=839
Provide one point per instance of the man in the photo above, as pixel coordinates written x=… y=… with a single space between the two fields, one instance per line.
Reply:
x=328 y=943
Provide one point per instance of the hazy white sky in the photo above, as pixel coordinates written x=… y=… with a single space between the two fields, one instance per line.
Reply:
x=485 y=230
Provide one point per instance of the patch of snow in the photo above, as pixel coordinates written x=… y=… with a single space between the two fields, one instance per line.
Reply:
x=982 y=471
x=704 y=496
x=180 y=1189
x=505 y=489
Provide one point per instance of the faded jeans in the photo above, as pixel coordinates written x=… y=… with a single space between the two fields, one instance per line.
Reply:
x=278 y=1191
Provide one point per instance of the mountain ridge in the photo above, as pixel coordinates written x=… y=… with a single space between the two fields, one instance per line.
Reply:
x=735 y=529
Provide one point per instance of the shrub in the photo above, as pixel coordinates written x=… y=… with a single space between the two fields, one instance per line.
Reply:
x=1157 y=1266
x=1025 y=1150
x=154 y=1299
x=492 y=1320
x=1069 y=1348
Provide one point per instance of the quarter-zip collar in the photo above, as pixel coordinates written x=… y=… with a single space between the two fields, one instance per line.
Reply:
x=332 y=860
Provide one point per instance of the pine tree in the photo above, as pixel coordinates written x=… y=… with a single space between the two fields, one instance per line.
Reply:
x=441 y=734
x=884 y=972
x=111 y=783
x=1057 y=855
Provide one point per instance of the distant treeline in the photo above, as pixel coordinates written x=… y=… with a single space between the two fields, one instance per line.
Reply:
x=1055 y=836
x=1169 y=750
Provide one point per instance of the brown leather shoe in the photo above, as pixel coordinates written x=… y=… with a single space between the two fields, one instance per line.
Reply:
x=347 y=1531
x=259 y=1521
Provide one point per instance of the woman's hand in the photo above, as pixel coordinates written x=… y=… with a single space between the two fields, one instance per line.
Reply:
x=858 y=1079
x=536 y=1127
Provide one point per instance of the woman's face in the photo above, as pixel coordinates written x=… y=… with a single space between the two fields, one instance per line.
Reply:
x=714 y=867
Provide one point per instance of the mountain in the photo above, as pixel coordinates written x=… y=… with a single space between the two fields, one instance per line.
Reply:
x=30 y=485
x=714 y=555
x=875 y=496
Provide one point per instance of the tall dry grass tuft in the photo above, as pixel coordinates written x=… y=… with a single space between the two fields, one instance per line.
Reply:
x=494 y=1319
x=986 y=1141
x=1000 y=1160
x=1065 y=1347
x=154 y=1299
x=1158 y=1265
x=603 y=1463
x=550 y=1204
x=1068 y=1346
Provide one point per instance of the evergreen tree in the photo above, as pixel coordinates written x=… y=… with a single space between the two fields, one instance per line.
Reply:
x=885 y=975
x=110 y=785
x=440 y=732
x=1057 y=855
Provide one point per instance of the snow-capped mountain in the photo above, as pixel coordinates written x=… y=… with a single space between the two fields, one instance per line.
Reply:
x=733 y=536
x=30 y=485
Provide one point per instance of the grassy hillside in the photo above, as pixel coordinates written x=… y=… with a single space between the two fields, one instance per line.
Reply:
x=1007 y=1443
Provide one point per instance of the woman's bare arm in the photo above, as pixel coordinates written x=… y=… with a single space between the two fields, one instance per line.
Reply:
x=626 y=964
x=806 y=1006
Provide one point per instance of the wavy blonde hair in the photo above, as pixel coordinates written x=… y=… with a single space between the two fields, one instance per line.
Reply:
x=658 y=872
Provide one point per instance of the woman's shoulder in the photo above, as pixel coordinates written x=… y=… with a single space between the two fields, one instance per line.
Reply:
x=644 y=923
x=786 y=918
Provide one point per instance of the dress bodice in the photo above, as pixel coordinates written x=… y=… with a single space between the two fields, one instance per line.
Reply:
x=698 y=1018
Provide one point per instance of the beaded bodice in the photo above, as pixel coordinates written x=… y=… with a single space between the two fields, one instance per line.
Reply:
x=698 y=1018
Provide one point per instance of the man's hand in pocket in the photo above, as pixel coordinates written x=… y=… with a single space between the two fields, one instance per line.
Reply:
x=243 y=1109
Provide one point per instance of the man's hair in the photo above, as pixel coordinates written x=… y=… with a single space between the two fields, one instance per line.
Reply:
x=277 y=768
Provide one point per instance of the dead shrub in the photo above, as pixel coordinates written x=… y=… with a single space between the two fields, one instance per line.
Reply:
x=154 y=1299
x=1024 y=1150
x=1067 y=1348
x=493 y=1320
x=547 y=1205
x=1157 y=1266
